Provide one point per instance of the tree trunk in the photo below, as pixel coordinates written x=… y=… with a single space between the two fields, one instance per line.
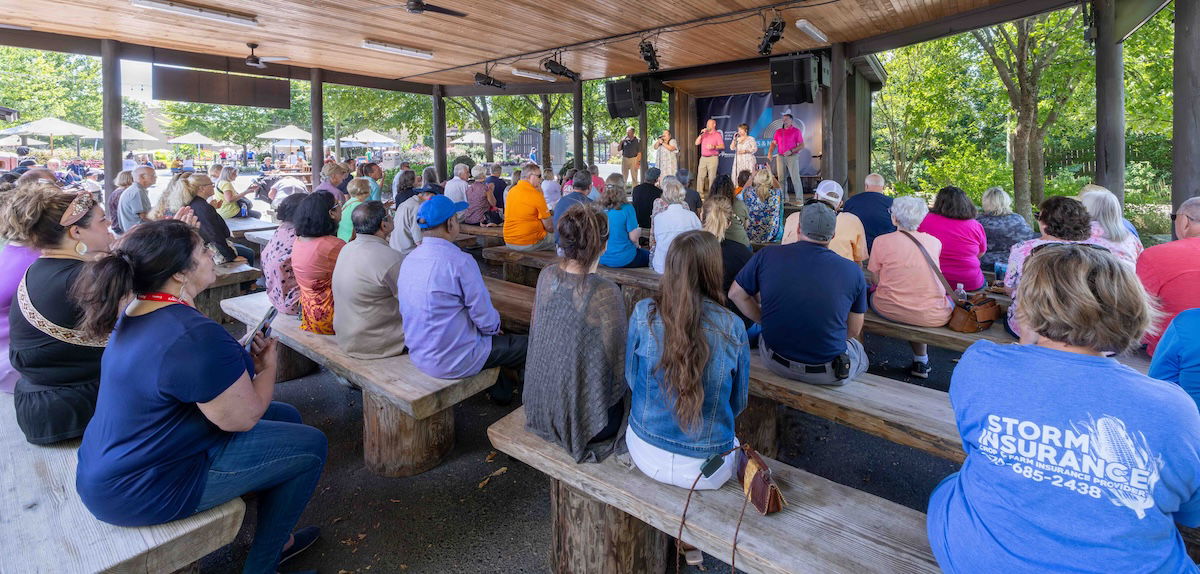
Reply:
x=245 y=152
x=589 y=133
x=1037 y=167
x=1020 y=142
x=337 y=142
x=485 y=123
x=547 y=113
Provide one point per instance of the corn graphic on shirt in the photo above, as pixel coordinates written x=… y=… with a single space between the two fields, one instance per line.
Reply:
x=1074 y=463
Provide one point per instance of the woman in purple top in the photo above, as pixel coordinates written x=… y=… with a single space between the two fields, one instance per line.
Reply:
x=481 y=200
x=14 y=260
x=952 y=221
x=332 y=176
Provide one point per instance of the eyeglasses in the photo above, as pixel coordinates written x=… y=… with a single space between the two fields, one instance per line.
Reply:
x=1070 y=245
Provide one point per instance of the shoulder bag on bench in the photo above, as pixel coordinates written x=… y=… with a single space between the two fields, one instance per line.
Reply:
x=975 y=314
x=758 y=484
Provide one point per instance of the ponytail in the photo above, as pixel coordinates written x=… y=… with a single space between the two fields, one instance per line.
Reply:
x=100 y=291
x=148 y=256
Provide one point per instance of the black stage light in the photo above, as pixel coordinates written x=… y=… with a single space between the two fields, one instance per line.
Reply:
x=486 y=80
x=771 y=35
x=554 y=67
x=649 y=55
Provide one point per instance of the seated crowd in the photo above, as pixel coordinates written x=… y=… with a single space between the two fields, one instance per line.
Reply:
x=176 y=416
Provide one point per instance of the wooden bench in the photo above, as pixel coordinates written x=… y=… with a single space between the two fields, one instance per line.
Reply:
x=408 y=416
x=44 y=526
x=239 y=226
x=513 y=302
x=261 y=238
x=523 y=267
x=230 y=277
x=610 y=518
x=484 y=236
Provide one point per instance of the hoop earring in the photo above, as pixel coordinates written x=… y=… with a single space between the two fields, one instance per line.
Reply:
x=81 y=248
x=183 y=289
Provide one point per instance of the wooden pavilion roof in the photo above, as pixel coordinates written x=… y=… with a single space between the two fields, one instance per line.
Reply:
x=330 y=35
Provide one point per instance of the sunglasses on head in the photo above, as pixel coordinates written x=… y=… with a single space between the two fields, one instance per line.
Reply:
x=1070 y=245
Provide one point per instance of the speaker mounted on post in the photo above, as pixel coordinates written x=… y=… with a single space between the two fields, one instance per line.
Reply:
x=624 y=98
x=795 y=79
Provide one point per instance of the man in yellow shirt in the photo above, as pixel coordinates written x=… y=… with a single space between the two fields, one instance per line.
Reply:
x=527 y=220
x=849 y=237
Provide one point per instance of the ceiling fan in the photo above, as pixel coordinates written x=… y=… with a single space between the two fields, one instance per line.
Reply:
x=420 y=7
x=260 y=62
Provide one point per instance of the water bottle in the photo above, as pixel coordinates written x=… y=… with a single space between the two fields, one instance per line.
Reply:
x=960 y=293
x=244 y=213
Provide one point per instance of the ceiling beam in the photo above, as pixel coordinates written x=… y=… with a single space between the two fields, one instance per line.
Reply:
x=91 y=47
x=512 y=89
x=1003 y=11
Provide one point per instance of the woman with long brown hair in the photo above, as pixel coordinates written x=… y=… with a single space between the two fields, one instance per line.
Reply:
x=688 y=363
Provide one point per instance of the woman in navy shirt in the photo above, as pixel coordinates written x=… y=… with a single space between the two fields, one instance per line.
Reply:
x=184 y=420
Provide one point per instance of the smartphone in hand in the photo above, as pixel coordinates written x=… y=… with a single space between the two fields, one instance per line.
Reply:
x=264 y=327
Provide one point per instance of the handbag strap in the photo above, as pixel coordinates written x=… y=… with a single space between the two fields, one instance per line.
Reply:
x=929 y=260
x=737 y=530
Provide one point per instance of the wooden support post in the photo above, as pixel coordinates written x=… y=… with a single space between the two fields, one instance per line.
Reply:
x=590 y=537
x=837 y=163
x=758 y=425
x=439 y=131
x=577 y=118
x=316 y=152
x=1110 y=100
x=396 y=444
x=110 y=68
x=642 y=137
x=1186 y=131
x=292 y=365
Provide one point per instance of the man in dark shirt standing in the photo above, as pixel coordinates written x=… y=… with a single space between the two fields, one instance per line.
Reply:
x=873 y=208
x=631 y=157
x=499 y=185
x=644 y=195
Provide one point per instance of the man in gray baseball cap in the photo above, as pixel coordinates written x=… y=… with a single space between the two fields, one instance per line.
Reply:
x=810 y=302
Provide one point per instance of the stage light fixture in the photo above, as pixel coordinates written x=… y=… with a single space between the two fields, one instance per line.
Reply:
x=486 y=80
x=772 y=34
x=554 y=67
x=649 y=55
x=812 y=31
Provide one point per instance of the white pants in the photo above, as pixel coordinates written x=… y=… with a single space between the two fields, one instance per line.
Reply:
x=706 y=173
x=788 y=166
x=676 y=469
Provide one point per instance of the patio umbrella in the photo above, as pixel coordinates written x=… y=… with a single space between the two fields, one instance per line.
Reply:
x=345 y=143
x=130 y=134
x=193 y=138
x=289 y=143
x=16 y=140
x=52 y=127
x=372 y=137
x=288 y=132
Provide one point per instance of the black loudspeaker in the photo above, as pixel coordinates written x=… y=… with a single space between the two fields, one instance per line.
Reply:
x=826 y=70
x=652 y=89
x=794 y=80
x=624 y=98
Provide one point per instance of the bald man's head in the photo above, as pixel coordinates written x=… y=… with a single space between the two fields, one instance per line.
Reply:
x=144 y=176
x=1187 y=219
x=875 y=182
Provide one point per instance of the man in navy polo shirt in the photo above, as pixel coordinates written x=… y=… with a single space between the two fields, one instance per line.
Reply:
x=809 y=338
x=873 y=208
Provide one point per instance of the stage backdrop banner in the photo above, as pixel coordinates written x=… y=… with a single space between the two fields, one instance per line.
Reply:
x=760 y=113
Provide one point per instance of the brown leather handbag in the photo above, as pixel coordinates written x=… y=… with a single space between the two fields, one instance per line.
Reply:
x=758 y=484
x=975 y=314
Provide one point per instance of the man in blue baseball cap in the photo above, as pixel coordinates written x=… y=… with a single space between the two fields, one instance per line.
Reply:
x=450 y=326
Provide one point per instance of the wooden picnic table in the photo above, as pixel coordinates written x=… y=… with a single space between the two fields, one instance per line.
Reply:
x=239 y=226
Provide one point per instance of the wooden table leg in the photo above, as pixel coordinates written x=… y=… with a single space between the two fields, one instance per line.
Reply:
x=758 y=425
x=590 y=537
x=292 y=365
x=396 y=444
x=208 y=301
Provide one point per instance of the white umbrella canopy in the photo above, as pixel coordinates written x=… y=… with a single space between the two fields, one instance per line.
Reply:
x=288 y=132
x=371 y=137
x=193 y=138
x=51 y=127
x=130 y=134
x=16 y=140
x=289 y=143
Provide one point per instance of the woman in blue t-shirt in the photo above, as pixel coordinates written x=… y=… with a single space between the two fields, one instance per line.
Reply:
x=1074 y=461
x=184 y=420
x=623 y=231
x=687 y=361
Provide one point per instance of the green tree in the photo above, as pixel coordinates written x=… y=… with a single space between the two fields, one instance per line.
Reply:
x=542 y=114
x=239 y=125
x=349 y=109
x=133 y=113
x=50 y=84
x=478 y=109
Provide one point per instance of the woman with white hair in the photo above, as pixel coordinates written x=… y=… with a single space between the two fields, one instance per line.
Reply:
x=906 y=287
x=673 y=219
x=1003 y=227
x=481 y=200
x=1108 y=228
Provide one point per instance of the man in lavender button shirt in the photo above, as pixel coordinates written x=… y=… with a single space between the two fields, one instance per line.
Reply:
x=450 y=326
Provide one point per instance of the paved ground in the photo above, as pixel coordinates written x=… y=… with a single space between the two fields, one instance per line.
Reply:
x=447 y=520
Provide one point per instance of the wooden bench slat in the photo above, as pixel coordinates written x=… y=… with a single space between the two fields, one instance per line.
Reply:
x=417 y=394
x=497 y=231
x=643 y=278
x=826 y=527
x=44 y=526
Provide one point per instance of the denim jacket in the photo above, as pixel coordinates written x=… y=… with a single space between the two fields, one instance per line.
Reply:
x=726 y=383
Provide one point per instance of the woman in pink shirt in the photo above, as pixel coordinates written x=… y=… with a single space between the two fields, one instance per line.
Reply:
x=906 y=289
x=952 y=221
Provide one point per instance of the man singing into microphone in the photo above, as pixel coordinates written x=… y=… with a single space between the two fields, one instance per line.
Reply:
x=711 y=142
x=789 y=140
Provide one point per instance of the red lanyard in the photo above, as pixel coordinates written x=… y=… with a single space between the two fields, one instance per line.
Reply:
x=162 y=298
